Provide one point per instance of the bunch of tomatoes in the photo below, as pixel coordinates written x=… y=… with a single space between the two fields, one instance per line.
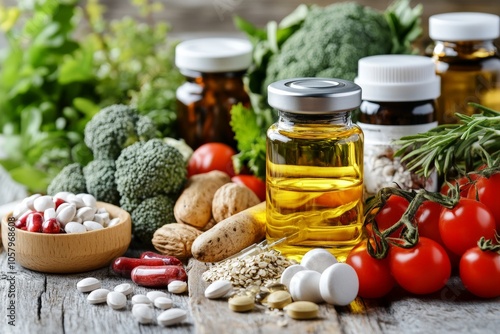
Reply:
x=463 y=236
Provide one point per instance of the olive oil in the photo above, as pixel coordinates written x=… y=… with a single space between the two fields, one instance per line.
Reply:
x=314 y=180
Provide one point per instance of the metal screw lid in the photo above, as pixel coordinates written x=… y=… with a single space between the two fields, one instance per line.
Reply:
x=314 y=95
x=464 y=26
x=212 y=55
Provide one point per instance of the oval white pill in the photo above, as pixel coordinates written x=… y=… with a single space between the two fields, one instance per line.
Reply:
x=29 y=201
x=89 y=201
x=318 y=259
x=152 y=295
x=73 y=227
x=177 y=287
x=85 y=213
x=43 y=203
x=140 y=299
x=98 y=296
x=65 y=213
x=171 y=317
x=124 y=288
x=92 y=226
x=49 y=213
x=339 y=284
x=143 y=313
x=163 y=303
x=88 y=284
x=116 y=300
x=288 y=273
x=218 y=289
x=113 y=222
x=304 y=286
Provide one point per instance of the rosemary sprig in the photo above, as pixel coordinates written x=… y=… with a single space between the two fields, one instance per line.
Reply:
x=454 y=147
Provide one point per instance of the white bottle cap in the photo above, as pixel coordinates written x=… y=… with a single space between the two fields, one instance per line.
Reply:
x=464 y=26
x=211 y=55
x=396 y=78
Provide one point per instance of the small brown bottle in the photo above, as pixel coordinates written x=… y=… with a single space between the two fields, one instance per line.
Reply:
x=214 y=70
x=467 y=61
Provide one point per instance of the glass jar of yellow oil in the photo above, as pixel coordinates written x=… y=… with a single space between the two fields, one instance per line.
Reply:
x=314 y=169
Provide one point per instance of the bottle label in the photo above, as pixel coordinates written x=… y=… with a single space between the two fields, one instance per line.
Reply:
x=381 y=167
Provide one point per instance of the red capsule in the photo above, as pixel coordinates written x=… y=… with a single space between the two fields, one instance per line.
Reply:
x=34 y=222
x=58 y=201
x=158 y=276
x=123 y=265
x=21 y=222
x=51 y=226
x=168 y=260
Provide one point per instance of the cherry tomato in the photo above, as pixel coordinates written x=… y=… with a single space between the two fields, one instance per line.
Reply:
x=423 y=269
x=254 y=183
x=464 y=182
x=480 y=272
x=375 y=279
x=463 y=226
x=486 y=190
x=390 y=214
x=427 y=219
x=212 y=156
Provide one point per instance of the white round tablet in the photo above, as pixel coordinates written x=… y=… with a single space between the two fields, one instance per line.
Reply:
x=339 y=284
x=304 y=286
x=318 y=259
x=289 y=272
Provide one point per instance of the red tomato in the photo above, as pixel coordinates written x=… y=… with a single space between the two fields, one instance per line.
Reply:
x=464 y=182
x=212 y=156
x=375 y=279
x=427 y=219
x=390 y=214
x=480 y=272
x=254 y=183
x=463 y=226
x=486 y=190
x=422 y=269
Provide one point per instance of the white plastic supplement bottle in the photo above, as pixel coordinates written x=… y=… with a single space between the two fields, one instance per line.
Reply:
x=314 y=169
x=399 y=98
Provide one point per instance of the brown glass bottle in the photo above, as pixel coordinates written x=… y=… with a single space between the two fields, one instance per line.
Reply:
x=214 y=70
x=467 y=62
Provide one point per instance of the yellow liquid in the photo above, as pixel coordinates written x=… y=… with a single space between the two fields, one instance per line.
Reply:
x=314 y=189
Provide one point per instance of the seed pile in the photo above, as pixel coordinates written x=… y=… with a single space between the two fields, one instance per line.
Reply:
x=260 y=269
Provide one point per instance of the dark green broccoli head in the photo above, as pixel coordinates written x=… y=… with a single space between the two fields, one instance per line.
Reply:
x=150 y=215
x=70 y=178
x=129 y=204
x=147 y=169
x=100 y=180
x=114 y=128
x=330 y=43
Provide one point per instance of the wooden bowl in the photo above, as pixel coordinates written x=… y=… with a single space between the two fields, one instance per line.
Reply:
x=68 y=253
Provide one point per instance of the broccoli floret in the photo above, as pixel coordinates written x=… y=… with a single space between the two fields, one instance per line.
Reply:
x=129 y=204
x=147 y=169
x=150 y=215
x=114 y=128
x=100 y=180
x=70 y=178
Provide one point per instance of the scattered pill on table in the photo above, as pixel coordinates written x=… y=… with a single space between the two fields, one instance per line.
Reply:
x=177 y=287
x=125 y=288
x=218 y=289
x=171 y=317
x=98 y=296
x=241 y=303
x=318 y=259
x=143 y=313
x=152 y=295
x=304 y=286
x=302 y=310
x=288 y=273
x=163 y=303
x=116 y=300
x=279 y=299
x=140 y=299
x=88 y=284
x=339 y=284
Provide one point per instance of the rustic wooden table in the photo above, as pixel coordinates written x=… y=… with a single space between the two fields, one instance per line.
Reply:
x=44 y=303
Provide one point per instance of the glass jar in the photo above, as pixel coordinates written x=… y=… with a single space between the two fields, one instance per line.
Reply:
x=399 y=95
x=314 y=167
x=214 y=70
x=467 y=61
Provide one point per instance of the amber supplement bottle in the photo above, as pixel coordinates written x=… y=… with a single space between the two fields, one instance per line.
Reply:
x=214 y=70
x=467 y=61
x=399 y=99
x=314 y=167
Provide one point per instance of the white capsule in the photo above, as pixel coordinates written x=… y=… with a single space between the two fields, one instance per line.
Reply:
x=98 y=296
x=140 y=299
x=125 y=288
x=73 y=227
x=89 y=201
x=88 y=284
x=304 y=286
x=77 y=201
x=318 y=259
x=116 y=300
x=43 y=203
x=92 y=226
x=171 y=317
x=65 y=213
x=163 y=303
x=49 y=213
x=218 y=289
x=288 y=273
x=143 y=313
x=20 y=210
x=113 y=222
x=102 y=218
x=29 y=201
x=63 y=195
x=177 y=287
x=85 y=213
x=339 y=284
x=152 y=295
